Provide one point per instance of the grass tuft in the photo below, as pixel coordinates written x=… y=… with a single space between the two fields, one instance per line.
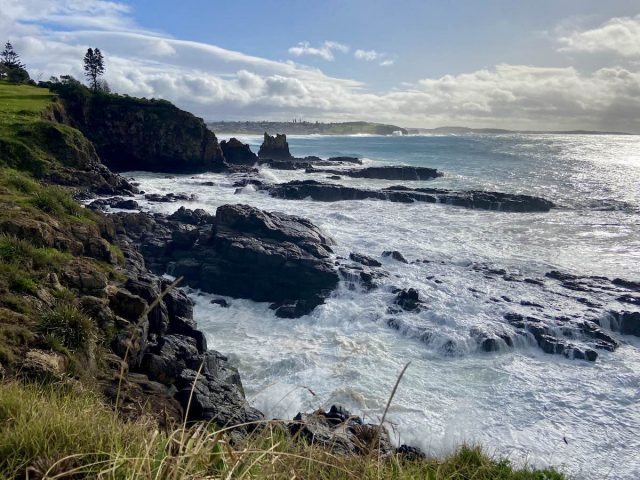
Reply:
x=68 y=326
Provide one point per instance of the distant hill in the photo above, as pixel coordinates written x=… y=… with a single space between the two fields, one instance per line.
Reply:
x=305 y=128
x=464 y=130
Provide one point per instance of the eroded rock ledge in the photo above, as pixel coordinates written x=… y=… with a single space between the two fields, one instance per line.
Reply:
x=331 y=192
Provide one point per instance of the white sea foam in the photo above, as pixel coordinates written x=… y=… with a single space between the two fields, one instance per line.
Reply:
x=519 y=402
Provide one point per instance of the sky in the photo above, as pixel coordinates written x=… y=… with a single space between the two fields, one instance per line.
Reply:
x=545 y=65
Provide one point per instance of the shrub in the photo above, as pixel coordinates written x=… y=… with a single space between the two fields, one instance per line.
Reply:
x=56 y=201
x=69 y=326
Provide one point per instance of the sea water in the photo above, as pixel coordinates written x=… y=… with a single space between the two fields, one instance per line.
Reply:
x=532 y=407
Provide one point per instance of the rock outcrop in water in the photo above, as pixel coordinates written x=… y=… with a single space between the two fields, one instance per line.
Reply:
x=244 y=252
x=238 y=153
x=330 y=192
x=275 y=148
x=391 y=172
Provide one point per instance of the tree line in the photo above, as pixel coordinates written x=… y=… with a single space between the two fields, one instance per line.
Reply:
x=14 y=71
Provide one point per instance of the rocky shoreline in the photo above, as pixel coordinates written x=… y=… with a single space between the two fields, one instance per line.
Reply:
x=122 y=275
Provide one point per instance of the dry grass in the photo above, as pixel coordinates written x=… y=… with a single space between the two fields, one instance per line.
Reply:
x=62 y=431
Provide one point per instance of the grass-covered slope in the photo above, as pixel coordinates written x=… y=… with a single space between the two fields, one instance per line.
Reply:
x=34 y=139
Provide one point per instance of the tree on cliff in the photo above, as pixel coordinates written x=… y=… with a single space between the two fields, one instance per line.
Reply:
x=9 y=58
x=94 y=67
x=11 y=68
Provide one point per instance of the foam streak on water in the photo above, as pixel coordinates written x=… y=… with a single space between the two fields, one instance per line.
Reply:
x=534 y=407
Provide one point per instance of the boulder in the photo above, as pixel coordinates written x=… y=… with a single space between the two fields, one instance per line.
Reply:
x=238 y=153
x=364 y=260
x=340 y=432
x=408 y=299
x=191 y=217
x=274 y=148
x=396 y=255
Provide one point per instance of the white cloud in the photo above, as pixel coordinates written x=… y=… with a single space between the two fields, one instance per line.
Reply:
x=367 y=55
x=620 y=36
x=216 y=83
x=325 y=51
x=387 y=63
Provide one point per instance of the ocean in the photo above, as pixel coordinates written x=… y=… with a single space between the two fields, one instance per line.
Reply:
x=532 y=407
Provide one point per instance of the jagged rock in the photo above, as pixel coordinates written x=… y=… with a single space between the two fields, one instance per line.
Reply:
x=274 y=148
x=409 y=300
x=128 y=305
x=238 y=153
x=168 y=198
x=364 y=260
x=627 y=323
x=221 y=302
x=547 y=340
x=340 y=432
x=396 y=255
x=410 y=454
x=192 y=217
x=397 y=172
x=249 y=253
x=216 y=394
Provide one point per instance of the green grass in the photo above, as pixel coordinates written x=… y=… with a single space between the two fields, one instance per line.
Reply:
x=68 y=326
x=61 y=430
x=21 y=104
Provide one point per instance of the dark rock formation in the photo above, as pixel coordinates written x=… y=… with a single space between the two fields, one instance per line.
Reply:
x=548 y=340
x=274 y=148
x=340 y=432
x=392 y=172
x=364 y=260
x=627 y=323
x=238 y=153
x=196 y=217
x=328 y=192
x=408 y=299
x=151 y=135
x=396 y=255
x=355 y=160
x=114 y=202
x=168 y=197
x=243 y=252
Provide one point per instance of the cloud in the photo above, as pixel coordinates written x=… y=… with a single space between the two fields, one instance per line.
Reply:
x=325 y=51
x=372 y=56
x=620 y=36
x=367 y=55
x=216 y=83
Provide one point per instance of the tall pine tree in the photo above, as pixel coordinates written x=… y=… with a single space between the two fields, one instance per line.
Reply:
x=94 y=67
x=9 y=58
